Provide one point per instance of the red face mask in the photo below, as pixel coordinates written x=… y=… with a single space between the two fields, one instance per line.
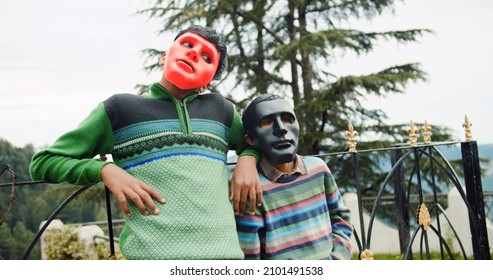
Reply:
x=191 y=61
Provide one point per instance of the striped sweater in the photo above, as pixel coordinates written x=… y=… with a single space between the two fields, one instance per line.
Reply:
x=178 y=147
x=302 y=217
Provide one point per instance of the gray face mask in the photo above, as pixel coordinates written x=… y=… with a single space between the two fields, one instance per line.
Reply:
x=274 y=130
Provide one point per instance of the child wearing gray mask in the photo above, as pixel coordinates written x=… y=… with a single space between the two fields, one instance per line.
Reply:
x=303 y=215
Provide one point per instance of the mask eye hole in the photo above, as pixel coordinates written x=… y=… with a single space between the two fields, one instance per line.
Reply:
x=266 y=122
x=287 y=118
x=207 y=58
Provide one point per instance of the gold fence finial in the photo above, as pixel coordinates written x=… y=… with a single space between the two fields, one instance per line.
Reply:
x=423 y=216
x=366 y=255
x=412 y=130
x=351 y=134
x=467 y=127
x=426 y=132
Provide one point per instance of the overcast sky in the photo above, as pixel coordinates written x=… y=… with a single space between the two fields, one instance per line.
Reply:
x=58 y=59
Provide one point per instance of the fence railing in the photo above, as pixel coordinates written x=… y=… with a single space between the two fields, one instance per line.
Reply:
x=415 y=182
x=414 y=187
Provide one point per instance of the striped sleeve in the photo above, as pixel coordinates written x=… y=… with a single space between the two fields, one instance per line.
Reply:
x=340 y=218
x=249 y=228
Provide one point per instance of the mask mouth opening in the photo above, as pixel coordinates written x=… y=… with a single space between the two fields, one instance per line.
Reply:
x=185 y=65
x=283 y=144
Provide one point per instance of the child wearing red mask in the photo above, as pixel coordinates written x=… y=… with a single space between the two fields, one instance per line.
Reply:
x=171 y=143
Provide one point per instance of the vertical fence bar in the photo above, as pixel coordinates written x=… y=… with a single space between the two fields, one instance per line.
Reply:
x=110 y=223
x=401 y=203
x=360 y=200
x=435 y=197
x=474 y=193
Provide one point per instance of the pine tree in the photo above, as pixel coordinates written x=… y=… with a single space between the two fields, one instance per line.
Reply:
x=287 y=47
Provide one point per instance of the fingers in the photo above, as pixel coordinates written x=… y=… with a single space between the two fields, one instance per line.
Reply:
x=239 y=197
x=236 y=203
x=255 y=198
x=147 y=196
x=123 y=204
x=259 y=196
x=138 y=200
x=231 y=191
x=242 y=204
x=142 y=196
x=126 y=187
x=233 y=197
x=143 y=203
x=153 y=193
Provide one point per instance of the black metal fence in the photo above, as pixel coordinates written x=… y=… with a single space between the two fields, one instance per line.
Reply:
x=412 y=193
x=414 y=187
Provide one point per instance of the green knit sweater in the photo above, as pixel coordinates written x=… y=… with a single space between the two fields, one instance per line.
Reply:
x=178 y=147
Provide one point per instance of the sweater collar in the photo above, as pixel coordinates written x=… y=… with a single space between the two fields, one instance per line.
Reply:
x=157 y=91
x=273 y=174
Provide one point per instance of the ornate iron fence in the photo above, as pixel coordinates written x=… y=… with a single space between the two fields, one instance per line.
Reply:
x=412 y=194
x=413 y=185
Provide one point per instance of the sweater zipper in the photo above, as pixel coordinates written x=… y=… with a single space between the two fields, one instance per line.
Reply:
x=184 y=115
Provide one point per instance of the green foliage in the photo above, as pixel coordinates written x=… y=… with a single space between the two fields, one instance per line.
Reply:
x=34 y=203
x=6 y=243
x=16 y=157
x=62 y=244
x=416 y=256
x=19 y=159
x=23 y=237
x=14 y=242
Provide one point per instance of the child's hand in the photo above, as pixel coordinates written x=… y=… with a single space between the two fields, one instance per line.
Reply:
x=125 y=186
x=245 y=183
